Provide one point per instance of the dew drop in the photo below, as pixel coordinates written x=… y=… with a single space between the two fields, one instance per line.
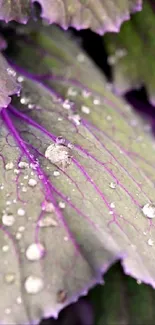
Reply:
x=8 y=311
x=21 y=212
x=62 y=205
x=85 y=109
x=23 y=165
x=149 y=210
x=9 y=166
x=9 y=278
x=5 y=248
x=150 y=242
x=48 y=206
x=72 y=92
x=19 y=300
x=139 y=282
x=75 y=118
x=33 y=284
x=96 y=101
x=35 y=252
x=56 y=173
x=11 y=72
x=25 y=100
x=20 y=79
x=112 y=205
x=8 y=219
x=67 y=104
x=47 y=221
x=112 y=185
x=59 y=155
x=32 y=182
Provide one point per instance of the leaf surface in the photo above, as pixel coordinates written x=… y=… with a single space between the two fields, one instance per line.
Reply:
x=77 y=166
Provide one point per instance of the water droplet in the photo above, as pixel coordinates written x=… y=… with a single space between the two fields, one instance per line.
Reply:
x=32 y=182
x=35 y=252
x=56 y=173
x=149 y=210
x=23 y=165
x=96 y=101
x=8 y=219
x=18 y=236
x=9 y=278
x=47 y=221
x=8 y=311
x=11 y=72
x=16 y=171
x=112 y=185
x=139 y=282
x=72 y=92
x=20 y=79
x=67 y=104
x=25 y=100
x=5 y=248
x=61 y=296
x=86 y=93
x=112 y=205
x=150 y=242
x=9 y=166
x=48 y=206
x=62 y=205
x=85 y=109
x=19 y=300
x=33 y=284
x=75 y=118
x=58 y=155
x=21 y=212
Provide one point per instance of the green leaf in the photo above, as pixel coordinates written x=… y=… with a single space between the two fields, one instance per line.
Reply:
x=77 y=167
x=131 y=53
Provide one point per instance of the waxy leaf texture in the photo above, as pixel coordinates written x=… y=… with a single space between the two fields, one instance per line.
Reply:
x=77 y=168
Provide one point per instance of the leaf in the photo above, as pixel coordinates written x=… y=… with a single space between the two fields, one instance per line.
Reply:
x=18 y=10
x=100 y=15
x=131 y=53
x=8 y=84
x=74 y=179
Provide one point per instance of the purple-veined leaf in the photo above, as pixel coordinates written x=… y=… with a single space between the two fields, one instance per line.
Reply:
x=77 y=168
x=18 y=10
x=131 y=53
x=8 y=84
x=99 y=15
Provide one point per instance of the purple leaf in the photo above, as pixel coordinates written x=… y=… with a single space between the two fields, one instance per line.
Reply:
x=77 y=170
x=100 y=15
x=14 y=10
x=8 y=84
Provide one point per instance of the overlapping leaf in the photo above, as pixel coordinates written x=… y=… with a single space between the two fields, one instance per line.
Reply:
x=8 y=85
x=131 y=53
x=79 y=207
x=99 y=15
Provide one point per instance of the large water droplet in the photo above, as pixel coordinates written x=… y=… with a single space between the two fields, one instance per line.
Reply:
x=149 y=210
x=59 y=155
x=8 y=219
x=33 y=284
x=35 y=252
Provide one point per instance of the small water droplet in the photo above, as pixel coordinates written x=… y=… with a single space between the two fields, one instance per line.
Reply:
x=56 y=173
x=24 y=100
x=80 y=57
x=72 y=92
x=32 y=182
x=67 y=104
x=9 y=278
x=8 y=311
x=139 y=282
x=96 y=101
x=85 y=109
x=8 y=219
x=23 y=165
x=5 y=248
x=62 y=205
x=150 y=242
x=35 y=252
x=9 y=166
x=19 y=300
x=21 y=212
x=20 y=79
x=33 y=284
x=11 y=72
x=112 y=185
x=18 y=236
x=47 y=221
x=149 y=210
x=112 y=205
x=48 y=206
x=75 y=118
